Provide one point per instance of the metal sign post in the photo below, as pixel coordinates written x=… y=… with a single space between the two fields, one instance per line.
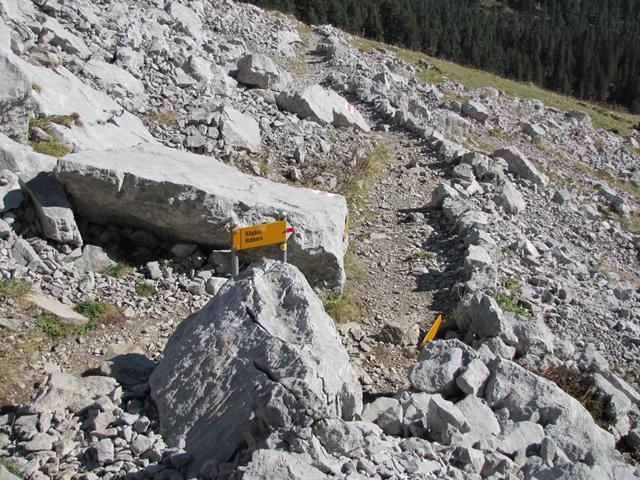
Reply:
x=283 y=245
x=235 y=262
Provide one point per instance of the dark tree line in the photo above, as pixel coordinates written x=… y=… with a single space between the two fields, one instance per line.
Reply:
x=586 y=48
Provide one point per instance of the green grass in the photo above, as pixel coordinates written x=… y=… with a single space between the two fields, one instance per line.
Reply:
x=14 y=289
x=11 y=466
x=603 y=117
x=364 y=173
x=145 y=289
x=509 y=297
x=97 y=312
x=119 y=270
x=342 y=308
x=53 y=148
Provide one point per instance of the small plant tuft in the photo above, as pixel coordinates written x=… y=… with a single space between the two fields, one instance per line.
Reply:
x=97 y=312
x=14 y=289
x=509 y=297
x=36 y=88
x=53 y=148
x=145 y=289
x=342 y=308
x=119 y=270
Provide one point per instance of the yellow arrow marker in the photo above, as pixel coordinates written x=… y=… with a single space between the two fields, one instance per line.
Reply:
x=431 y=334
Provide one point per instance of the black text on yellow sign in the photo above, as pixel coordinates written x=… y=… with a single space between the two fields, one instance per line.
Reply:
x=259 y=235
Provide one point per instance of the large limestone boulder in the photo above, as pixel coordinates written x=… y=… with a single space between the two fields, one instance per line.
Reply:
x=260 y=71
x=322 y=106
x=261 y=357
x=185 y=197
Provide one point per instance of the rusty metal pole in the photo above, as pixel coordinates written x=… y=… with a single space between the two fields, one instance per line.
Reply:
x=235 y=261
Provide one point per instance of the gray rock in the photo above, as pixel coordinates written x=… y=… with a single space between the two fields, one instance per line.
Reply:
x=270 y=464
x=267 y=357
x=480 y=418
x=60 y=310
x=260 y=71
x=476 y=258
x=528 y=397
x=190 y=198
x=155 y=273
x=214 y=284
x=475 y=110
x=400 y=331
x=386 y=413
x=93 y=259
x=439 y=364
x=18 y=158
x=533 y=130
x=24 y=254
x=104 y=452
x=11 y=196
x=15 y=107
x=443 y=414
x=510 y=198
x=61 y=391
x=472 y=379
x=240 y=130
x=322 y=106
x=518 y=437
x=482 y=315
x=183 y=250
x=61 y=37
x=520 y=166
x=53 y=209
x=39 y=442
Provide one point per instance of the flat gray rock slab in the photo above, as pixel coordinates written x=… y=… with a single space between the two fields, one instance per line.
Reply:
x=190 y=198
x=60 y=310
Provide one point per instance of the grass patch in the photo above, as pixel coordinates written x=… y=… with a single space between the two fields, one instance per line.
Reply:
x=615 y=121
x=509 y=297
x=477 y=143
x=353 y=267
x=165 y=117
x=53 y=148
x=145 y=289
x=581 y=388
x=342 y=308
x=119 y=270
x=364 y=173
x=97 y=312
x=14 y=289
x=36 y=88
x=11 y=466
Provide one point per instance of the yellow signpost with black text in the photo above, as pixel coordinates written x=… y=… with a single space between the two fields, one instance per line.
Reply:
x=259 y=235
x=263 y=235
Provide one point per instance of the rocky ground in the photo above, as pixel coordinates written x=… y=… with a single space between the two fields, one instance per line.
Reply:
x=516 y=221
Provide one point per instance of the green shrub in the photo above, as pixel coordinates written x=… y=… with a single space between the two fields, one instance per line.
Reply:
x=53 y=148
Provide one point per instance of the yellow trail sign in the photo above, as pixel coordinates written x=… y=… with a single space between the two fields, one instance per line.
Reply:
x=431 y=334
x=259 y=235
